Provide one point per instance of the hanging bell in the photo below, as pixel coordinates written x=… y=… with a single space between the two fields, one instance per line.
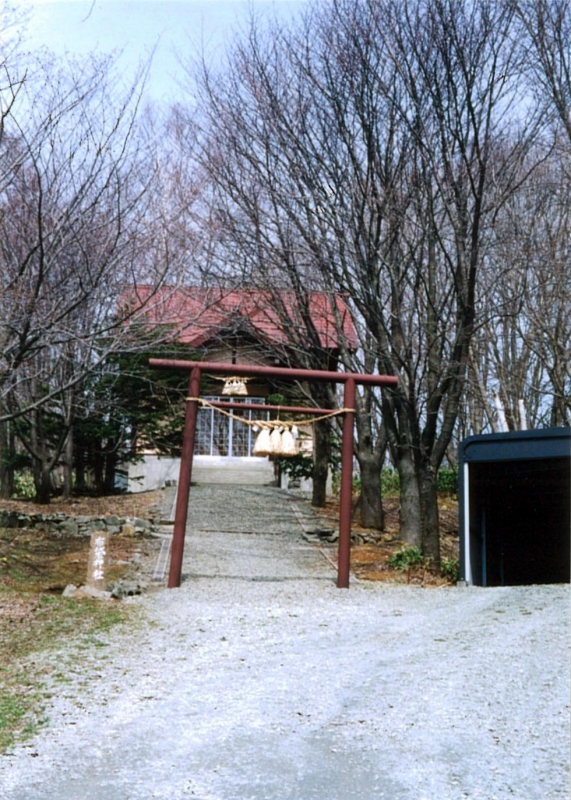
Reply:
x=262 y=443
x=234 y=387
x=288 y=444
x=276 y=442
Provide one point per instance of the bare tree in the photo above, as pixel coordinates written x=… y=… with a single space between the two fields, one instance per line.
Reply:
x=544 y=33
x=69 y=215
x=85 y=219
x=368 y=151
x=541 y=222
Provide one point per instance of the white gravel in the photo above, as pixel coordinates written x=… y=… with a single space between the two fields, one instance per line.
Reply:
x=260 y=679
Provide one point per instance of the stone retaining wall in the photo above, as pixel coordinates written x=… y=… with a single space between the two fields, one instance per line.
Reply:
x=59 y=522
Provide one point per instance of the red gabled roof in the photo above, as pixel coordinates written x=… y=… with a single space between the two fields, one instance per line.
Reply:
x=200 y=315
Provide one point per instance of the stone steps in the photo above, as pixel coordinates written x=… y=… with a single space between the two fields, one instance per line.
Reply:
x=245 y=472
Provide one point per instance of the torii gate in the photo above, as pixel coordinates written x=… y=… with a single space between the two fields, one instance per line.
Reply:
x=350 y=379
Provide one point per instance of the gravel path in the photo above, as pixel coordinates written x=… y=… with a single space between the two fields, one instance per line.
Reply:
x=260 y=680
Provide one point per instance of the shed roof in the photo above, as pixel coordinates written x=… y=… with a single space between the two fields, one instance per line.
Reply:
x=517 y=445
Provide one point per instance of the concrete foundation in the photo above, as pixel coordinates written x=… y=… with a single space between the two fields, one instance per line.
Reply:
x=154 y=472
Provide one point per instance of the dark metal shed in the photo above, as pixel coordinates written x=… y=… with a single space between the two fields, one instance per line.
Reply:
x=515 y=507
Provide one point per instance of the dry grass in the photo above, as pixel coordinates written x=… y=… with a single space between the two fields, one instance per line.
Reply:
x=122 y=505
x=36 y=561
x=35 y=619
x=33 y=626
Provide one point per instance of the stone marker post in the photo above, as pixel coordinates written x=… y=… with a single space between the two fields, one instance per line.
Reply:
x=98 y=560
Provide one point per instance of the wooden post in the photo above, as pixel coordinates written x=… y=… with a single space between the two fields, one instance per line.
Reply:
x=346 y=489
x=185 y=476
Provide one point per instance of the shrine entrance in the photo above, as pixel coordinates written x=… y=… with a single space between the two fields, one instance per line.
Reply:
x=193 y=402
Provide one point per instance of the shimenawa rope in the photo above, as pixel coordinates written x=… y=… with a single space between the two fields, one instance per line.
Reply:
x=270 y=423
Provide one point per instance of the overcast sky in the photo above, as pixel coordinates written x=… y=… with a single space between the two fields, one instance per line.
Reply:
x=137 y=26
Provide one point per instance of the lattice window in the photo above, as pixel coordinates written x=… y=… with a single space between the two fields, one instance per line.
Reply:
x=218 y=435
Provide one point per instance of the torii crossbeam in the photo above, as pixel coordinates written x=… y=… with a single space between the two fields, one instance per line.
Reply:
x=196 y=368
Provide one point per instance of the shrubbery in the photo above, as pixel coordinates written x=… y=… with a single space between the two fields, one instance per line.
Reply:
x=447 y=481
x=410 y=557
x=297 y=467
x=24 y=488
x=301 y=466
x=406 y=558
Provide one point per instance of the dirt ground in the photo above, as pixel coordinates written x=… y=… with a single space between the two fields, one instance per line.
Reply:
x=34 y=562
x=123 y=505
x=48 y=563
x=369 y=561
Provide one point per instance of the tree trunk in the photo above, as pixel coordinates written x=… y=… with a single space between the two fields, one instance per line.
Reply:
x=110 y=469
x=41 y=466
x=97 y=460
x=68 y=465
x=6 y=455
x=321 y=454
x=42 y=481
x=430 y=523
x=409 y=512
x=80 y=470
x=369 y=507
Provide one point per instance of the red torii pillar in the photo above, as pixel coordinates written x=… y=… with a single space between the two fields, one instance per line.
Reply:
x=350 y=379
